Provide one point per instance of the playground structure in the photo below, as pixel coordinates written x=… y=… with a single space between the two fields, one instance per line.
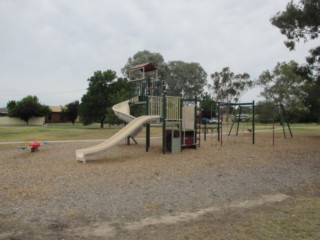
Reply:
x=178 y=116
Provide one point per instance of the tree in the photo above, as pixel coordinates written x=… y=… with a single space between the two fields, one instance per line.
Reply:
x=301 y=21
x=312 y=101
x=284 y=86
x=94 y=103
x=184 y=78
x=72 y=111
x=27 y=108
x=228 y=87
x=119 y=91
x=180 y=77
x=267 y=112
x=208 y=106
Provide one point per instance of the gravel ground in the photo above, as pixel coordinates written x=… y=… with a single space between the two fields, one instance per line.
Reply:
x=49 y=195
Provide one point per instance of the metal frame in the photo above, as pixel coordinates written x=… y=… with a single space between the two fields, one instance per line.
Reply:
x=252 y=104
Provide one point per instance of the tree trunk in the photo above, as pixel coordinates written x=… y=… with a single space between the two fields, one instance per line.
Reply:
x=102 y=122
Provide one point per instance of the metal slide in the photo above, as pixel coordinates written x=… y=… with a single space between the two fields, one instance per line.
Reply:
x=122 y=110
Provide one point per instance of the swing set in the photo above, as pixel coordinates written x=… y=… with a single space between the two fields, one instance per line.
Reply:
x=237 y=119
x=240 y=117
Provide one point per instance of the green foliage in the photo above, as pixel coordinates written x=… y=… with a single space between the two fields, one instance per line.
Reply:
x=208 y=106
x=267 y=112
x=184 y=78
x=27 y=108
x=12 y=108
x=285 y=86
x=72 y=111
x=104 y=90
x=94 y=103
x=312 y=101
x=180 y=77
x=301 y=21
x=119 y=91
x=228 y=87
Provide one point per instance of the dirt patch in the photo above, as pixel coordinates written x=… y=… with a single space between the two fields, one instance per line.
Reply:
x=188 y=216
x=126 y=193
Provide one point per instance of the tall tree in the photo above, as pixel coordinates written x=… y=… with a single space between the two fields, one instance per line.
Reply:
x=184 y=78
x=301 y=20
x=72 y=110
x=284 y=86
x=95 y=102
x=27 y=108
x=228 y=87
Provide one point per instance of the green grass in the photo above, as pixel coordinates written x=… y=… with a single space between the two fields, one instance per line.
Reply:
x=55 y=132
x=67 y=131
x=310 y=127
x=296 y=127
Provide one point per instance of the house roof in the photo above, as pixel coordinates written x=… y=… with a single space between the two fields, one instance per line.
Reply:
x=3 y=110
x=56 y=109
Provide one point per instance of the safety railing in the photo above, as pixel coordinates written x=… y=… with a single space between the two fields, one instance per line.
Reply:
x=173 y=107
x=155 y=105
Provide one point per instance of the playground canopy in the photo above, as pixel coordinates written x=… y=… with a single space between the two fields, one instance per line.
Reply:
x=146 y=67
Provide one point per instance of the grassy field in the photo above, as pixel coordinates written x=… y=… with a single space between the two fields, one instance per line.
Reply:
x=56 y=132
x=52 y=132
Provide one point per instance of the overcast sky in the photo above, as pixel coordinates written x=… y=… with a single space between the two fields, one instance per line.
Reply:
x=49 y=48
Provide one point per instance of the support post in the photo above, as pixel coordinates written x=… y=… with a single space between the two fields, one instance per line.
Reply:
x=164 y=117
x=272 y=132
x=197 y=124
x=221 y=134
x=238 y=120
x=147 y=137
x=219 y=119
x=147 y=113
x=282 y=121
x=286 y=119
x=253 y=123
